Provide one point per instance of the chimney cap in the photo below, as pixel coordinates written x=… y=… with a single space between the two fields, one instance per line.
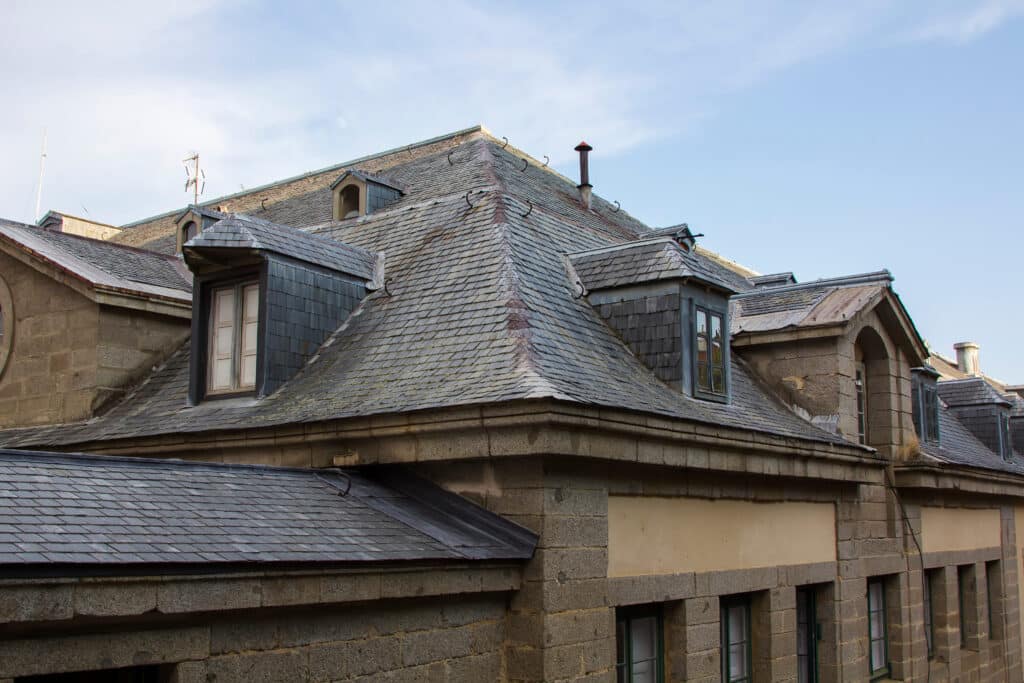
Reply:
x=967 y=345
x=583 y=147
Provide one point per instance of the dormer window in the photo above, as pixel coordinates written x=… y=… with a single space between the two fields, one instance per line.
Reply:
x=709 y=352
x=188 y=231
x=357 y=193
x=350 y=202
x=233 y=335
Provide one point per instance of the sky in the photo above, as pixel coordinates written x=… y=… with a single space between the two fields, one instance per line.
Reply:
x=819 y=138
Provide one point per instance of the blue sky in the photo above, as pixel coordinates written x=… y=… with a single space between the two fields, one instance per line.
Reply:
x=822 y=139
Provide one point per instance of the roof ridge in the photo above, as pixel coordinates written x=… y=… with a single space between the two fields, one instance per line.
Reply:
x=478 y=128
x=841 y=281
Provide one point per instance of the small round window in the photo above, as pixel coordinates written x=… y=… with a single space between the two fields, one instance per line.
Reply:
x=6 y=324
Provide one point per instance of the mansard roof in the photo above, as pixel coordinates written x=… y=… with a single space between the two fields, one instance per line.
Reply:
x=118 y=513
x=478 y=309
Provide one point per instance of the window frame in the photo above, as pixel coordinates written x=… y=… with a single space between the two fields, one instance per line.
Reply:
x=860 y=383
x=710 y=312
x=623 y=660
x=238 y=322
x=726 y=604
x=1005 y=447
x=875 y=672
x=7 y=324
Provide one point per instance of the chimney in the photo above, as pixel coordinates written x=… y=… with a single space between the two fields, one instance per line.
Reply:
x=967 y=358
x=584 y=187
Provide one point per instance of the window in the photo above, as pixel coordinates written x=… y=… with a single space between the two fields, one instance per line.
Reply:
x=929 y=612
x=862 y=405
x=188 y=231
x=1004 y=435
x=233 y=331
x=878 y=650
x=806 y=636
x=963 y=580
x=349 y=199
x=639 y=645
x=737 y=651
x=709 y=352
x=925 y=402
x=993 y=583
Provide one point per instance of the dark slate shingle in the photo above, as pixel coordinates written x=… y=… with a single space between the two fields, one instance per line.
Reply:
x=102 y=510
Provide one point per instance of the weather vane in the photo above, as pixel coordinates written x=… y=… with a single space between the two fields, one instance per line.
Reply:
x=195 y=177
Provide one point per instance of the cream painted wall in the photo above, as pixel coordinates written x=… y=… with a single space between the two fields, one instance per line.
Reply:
x=944 y=529
x=651 y=535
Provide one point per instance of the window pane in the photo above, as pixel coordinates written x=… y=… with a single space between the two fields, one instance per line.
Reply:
x=737 y=661
x=702 y=376
x=702 y=322
x=643 y=632
x=717 y=380
x=877 y=655
x=702 y=350
x=737 y=624
x=716 y=327
x=224 y=305
x=643 y=672
x=877 y=625
x=620 y=642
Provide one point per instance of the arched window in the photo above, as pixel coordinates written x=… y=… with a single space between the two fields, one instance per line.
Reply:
x=873 y=391
x=349 y=202
x=188 y=231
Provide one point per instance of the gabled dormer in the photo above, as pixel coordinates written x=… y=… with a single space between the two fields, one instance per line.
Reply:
x=670 y=306
x=265 y=298
x=357 y=193
x=193 y=221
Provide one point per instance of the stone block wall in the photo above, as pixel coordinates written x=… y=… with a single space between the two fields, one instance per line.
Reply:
x=50 y=374
x=439 y=639
x=69 y=354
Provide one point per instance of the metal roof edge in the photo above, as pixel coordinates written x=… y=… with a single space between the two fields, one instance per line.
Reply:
x=877 y=276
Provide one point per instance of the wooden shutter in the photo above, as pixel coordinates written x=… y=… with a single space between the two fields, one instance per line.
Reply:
x=249 y=334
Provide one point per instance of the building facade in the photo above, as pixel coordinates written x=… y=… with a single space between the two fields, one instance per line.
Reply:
x=444 y=414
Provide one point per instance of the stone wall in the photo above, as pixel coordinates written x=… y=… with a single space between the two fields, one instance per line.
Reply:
x=437 y=639
x=69 y=355
x=51 y=371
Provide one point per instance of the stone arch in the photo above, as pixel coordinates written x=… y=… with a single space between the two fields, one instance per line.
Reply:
x=6 y=325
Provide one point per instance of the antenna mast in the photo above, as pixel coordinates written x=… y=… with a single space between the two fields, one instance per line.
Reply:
x=39 y=187
x=195 y=177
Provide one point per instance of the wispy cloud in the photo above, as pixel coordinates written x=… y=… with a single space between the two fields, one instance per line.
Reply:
x=263 y=91
x=970 y=23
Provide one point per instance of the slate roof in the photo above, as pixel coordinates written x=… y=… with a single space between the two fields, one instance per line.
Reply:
x=479 y=309
x=969 y=392
x=958 y=446
x=117 y=513
x=807 y=304
x=246 y=232
x=103 y=263
x=647 y=260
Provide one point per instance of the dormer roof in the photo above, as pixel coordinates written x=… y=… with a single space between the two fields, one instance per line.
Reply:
x=255 y=234
x=970 y=392
x=367 y=177
x=648 y=260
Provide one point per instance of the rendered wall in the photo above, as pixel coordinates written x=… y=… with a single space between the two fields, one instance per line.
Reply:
x=654 y=535
x=946 y=529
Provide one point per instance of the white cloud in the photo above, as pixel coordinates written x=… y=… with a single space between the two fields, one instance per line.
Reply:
x=264 y=91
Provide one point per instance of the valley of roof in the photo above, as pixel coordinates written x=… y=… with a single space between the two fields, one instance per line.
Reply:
x=479 y=309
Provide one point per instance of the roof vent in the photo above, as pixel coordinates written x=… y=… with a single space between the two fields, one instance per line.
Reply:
x=584 y=187
x=967 y=358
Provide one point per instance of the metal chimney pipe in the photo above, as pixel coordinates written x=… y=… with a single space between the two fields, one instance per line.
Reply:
x=584 y=187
